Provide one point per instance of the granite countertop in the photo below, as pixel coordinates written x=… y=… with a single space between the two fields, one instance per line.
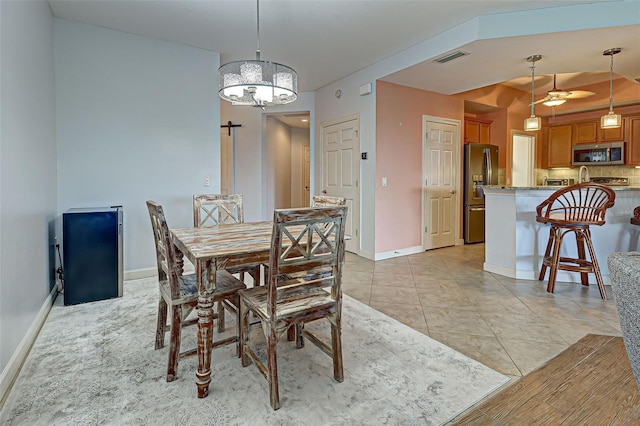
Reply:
x=548 y=187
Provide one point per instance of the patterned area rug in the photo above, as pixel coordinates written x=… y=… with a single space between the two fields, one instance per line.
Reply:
x=94 y=364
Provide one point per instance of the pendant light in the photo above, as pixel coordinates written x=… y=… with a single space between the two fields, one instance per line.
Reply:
x=255 y=82
x=533 y=123
x=611 y=120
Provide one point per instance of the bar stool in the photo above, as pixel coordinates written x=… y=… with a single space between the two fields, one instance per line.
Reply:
x=573 y=209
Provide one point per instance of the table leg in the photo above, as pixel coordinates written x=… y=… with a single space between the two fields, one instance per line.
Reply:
x=206 y=284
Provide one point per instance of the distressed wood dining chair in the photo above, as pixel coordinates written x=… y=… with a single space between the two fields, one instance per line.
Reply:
x=179 y=291
x=221 y=209
x=327 y=200
x=316 y=201
x=305 y=239
x=574 y=209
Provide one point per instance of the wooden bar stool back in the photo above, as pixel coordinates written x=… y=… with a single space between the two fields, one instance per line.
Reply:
x=573 y=209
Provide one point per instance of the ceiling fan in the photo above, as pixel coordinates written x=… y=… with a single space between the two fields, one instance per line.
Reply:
x=557 y=96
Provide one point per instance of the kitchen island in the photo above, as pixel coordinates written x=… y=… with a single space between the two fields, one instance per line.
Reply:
x=515 y=242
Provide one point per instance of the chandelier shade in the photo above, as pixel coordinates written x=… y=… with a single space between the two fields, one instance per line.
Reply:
x=255 y=82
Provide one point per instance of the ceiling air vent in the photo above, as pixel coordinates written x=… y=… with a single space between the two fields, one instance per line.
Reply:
x=451 y=56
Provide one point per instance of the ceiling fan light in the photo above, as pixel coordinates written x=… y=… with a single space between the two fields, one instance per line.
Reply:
x=554 y=102
x=610 y=121
x=532 y=123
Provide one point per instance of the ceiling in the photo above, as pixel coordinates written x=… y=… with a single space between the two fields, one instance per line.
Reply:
x=325 y=40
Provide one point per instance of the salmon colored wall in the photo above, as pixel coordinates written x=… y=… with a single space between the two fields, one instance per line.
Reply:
x=399 y=112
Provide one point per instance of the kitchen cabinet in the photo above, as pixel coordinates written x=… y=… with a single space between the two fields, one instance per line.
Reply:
x=559 y=145
x=585 y=132
x=633 y=140
x=590 y=132
x=477 y=131
x=612 y=135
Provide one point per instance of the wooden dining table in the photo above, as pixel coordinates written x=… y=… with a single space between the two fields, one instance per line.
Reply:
x=209 y=249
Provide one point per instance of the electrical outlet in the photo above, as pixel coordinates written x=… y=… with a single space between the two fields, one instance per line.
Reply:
x=207 y=181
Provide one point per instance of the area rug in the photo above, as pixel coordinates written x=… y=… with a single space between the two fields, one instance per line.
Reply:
x=94 y=364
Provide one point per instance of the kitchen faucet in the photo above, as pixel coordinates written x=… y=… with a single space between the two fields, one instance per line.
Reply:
x=586 y=174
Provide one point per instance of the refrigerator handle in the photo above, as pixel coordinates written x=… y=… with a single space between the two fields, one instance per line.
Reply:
x=487 y=160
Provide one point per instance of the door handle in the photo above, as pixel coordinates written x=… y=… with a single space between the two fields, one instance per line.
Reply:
x=306 y=187
x=476 y=209
x=453 y=191
x=324 y=191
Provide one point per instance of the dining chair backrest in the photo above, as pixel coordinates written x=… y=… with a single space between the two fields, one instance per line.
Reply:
x=327 y=200
x=168 y=270
x=306 y=239
x=217 y=209
x=583 y=203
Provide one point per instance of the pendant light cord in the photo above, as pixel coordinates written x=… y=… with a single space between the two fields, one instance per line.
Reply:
x=258 y=28
x=533 y=76
x=611 y=86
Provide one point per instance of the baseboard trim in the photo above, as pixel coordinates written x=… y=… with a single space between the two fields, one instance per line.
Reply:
x=400 y=252
x=137 y=274
x=12 y=369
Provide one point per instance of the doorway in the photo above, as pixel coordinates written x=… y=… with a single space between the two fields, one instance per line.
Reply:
x=287 y=160
x=523 y=159
x=440 y=181
x=227 y=161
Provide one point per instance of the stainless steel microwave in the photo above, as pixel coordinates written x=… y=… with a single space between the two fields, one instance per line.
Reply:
x=598 y=154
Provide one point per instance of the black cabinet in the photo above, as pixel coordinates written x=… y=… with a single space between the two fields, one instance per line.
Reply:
x=92 y=249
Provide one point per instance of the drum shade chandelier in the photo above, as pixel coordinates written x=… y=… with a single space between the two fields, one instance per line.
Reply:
x=255 y=82
x=611 y=120
x=533 y=123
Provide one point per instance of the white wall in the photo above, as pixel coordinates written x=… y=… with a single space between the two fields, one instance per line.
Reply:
x=27 y=169
x=138 y=119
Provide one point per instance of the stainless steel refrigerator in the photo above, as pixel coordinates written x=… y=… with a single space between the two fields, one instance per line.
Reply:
x=480 y=168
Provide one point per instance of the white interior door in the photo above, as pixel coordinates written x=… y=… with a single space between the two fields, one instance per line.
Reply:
x=440 y=164
x=523 y=160
x=227 y=185
x=341 y=172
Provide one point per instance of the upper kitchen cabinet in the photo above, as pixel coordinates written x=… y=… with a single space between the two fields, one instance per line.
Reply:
x=590 y=132
x=477 y=131
x=559 y=145
x=585 y=132
x=612 y=135
x=633 y=140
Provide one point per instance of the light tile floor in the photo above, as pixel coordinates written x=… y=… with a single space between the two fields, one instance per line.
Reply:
x=512 y=326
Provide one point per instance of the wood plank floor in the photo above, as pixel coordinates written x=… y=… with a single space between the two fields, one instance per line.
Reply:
x=590 y=383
